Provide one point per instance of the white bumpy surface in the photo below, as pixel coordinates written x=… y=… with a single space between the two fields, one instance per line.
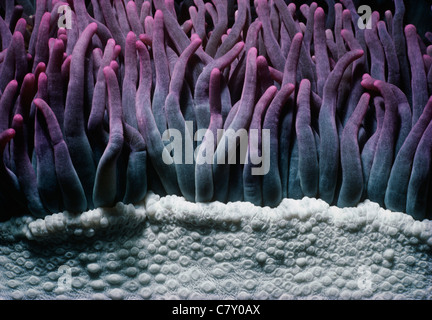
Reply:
x=168 y=248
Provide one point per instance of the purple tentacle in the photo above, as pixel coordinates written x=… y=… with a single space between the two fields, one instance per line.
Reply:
x=105 y=185
x=271 y=44
x=352 y=175
x=272 y=185
x=257 y=157
x=321 y=55
x=130 y=81
x=162 y=72
x=418 y=75
x=74 y=122
x=148 y=128
x=134 y=20
x=55 y=81
x=201 y=89
x=203 y=168
x=308 y=168
x=24 y=169
x=329 y=146
x=73 y=196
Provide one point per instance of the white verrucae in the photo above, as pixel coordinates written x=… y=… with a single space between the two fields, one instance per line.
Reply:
x=170 y=248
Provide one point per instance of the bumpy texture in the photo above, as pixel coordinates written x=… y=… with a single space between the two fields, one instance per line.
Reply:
x=303 y=249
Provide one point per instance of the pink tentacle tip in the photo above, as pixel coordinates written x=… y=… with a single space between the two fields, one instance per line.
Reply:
x=113 y=66
x=241 y=45
x=39 y=104
x=344 y=33
x=261 y=59
x=159 y=14
x=359 y=53
x=18 y=121
x=131 y=4
x=5 y=137
x=379 y=84
x=10 y=133
x=410 y=30
x=298 y=37
x=93 y=26
x=215 y=73
x=194 y=37
x=319 y=12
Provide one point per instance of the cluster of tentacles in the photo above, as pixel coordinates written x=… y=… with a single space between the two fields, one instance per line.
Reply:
x=83 y=110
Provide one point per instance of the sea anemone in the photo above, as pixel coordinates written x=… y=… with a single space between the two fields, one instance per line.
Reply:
x=106 y=103
x=85 y=110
